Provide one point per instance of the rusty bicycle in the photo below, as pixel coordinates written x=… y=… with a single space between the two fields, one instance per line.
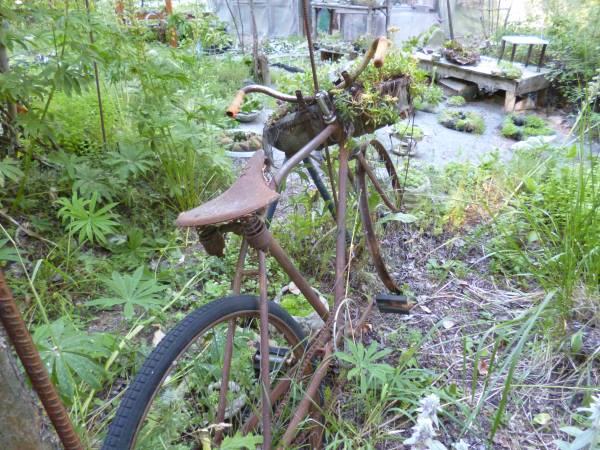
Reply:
x=241 y=365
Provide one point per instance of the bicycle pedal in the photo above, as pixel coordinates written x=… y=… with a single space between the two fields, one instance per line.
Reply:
x=395 y=304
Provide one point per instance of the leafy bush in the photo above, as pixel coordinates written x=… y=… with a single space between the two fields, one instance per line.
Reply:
x=456 y=100
x=75 y=121
x=407 y=129
x=72 y=356
x=469 y=122
x=429 y=97
x=131 y=291
x=81 y=216
x=521 y=127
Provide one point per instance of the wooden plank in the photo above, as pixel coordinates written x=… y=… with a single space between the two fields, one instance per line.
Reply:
x=482 y=75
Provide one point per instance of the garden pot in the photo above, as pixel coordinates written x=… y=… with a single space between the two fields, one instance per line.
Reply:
x=295 y=129
x=248 y=117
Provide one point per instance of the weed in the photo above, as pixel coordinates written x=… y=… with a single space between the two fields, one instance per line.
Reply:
x=522 y=127
x=81 y=216
x=456 y=100
x=131 y=291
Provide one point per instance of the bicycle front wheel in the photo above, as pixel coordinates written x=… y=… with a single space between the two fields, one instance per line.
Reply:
x=174 y=400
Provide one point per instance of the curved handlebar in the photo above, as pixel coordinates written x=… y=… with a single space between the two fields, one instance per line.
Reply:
x=376 y=52
x=378 y=49
x=236 y=104
x=382 y=47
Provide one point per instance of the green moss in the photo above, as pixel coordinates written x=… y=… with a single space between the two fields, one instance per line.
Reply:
x=520 y=127
x=407 y=129
x=456 y=100
x=296 y=305
x=510 y=71
x=469 y=122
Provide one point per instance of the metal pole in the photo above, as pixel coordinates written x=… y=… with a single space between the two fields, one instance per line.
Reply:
x=449 y=8
x=264 y=351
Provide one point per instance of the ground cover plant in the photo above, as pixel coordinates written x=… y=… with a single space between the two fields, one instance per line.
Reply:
x=521 y=127
x=469 y=121
x=501 y=257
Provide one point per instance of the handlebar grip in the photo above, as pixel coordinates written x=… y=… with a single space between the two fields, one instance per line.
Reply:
x=236 y=104
x=382 y=48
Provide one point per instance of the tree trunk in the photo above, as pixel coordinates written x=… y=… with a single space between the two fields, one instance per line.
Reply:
x=22 y=425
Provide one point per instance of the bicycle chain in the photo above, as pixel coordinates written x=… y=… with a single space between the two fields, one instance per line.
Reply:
x=323 y=335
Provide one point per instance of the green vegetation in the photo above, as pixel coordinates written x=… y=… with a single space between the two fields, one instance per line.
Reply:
x=502 y=257
x=510 y=71
x=469 y=122
x=428 y=98
x=521 y=127
x=406 y=128
x=456 y=100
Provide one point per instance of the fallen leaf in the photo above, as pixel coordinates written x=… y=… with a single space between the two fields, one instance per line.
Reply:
x=425 y=308
x=542 y=419
x=483 y=367
x=447 y=324
x=157 y=337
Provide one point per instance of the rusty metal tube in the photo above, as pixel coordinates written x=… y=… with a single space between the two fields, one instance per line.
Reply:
x=308 y=399
x=299 y=156
x=340 y=247
x=288 y=267
x=19 y=335
x=264 y=351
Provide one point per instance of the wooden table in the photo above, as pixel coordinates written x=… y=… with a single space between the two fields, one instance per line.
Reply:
x=346 y=8
x=485 y=75
x=524 y=40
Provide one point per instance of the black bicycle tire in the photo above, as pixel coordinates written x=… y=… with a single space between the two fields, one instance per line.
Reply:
x=124 y=427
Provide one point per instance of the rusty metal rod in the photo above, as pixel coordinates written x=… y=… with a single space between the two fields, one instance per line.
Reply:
x=340 y=248
x=308 y=399
x=309 y=41
x=369 y=171
x=19 y=335
x=236 y=287
x=264 y=351
x=257 y=88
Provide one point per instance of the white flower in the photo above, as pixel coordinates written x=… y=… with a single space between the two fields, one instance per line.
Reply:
x=460 y=445
x=423 y=433
x=430 y=406
x=594 y=411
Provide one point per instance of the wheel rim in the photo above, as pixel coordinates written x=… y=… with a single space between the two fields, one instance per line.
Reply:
x=183 y=408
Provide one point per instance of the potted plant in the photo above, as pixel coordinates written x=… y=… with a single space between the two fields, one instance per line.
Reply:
x=250 y=111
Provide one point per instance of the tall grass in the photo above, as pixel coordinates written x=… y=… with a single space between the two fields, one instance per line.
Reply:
x=550 y=234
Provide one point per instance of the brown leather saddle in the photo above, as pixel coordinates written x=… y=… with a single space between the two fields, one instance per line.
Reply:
x=248 y=194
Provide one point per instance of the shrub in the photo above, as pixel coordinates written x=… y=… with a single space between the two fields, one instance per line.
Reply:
x=456 y=100
x=522 y=127
x=469 y=122
x=75 y=121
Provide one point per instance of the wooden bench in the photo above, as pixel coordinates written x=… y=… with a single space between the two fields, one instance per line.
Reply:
x=485 y=76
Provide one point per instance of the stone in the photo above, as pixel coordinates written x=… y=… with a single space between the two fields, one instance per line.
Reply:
x=532 y=143
x=436 y=40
